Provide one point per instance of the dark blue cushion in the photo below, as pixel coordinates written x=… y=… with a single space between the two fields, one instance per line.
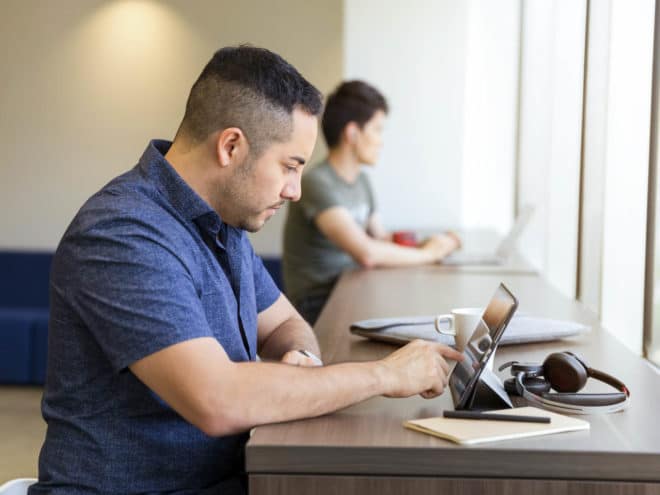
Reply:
x=23 y=345
x=15 y=345
x=39 y=348
x=23 y=315
x=274 y=267
x=24 y=279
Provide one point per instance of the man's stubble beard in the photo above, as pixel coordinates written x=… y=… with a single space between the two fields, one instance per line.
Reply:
x=236 y=193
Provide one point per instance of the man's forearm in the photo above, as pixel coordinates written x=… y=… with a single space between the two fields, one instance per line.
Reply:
x=272 y=392
x=385 y=253
x=198 y=380
x=291 y=335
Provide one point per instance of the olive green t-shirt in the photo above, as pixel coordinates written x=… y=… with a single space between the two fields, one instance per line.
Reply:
x=311 y=263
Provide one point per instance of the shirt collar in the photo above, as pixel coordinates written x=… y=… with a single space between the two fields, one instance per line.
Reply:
x=157 y=170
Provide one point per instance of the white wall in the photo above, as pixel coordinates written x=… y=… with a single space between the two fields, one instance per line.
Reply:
x=627 y=162
x=490 y=115
x=415 y=54
x=449 y=70
x=550 y=136
x=86 y=83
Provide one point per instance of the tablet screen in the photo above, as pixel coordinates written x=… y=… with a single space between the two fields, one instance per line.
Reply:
x=481 y=345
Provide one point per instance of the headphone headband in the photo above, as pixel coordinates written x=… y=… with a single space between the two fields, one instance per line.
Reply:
x=609 y=379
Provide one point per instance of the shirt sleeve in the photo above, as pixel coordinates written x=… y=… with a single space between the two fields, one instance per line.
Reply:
x=131 y=290
x=370 y=194
x=317 y=196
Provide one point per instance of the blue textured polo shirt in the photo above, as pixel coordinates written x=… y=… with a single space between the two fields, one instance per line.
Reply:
x=145 y=264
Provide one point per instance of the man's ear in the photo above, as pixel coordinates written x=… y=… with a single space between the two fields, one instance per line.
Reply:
x=231 y=146
x=351 y=132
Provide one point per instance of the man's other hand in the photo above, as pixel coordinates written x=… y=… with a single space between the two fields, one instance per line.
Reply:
x=441 y=245
x=297 y=358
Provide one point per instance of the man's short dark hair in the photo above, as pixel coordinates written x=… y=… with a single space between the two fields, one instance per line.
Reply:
x=250 y=88
x=352 y=101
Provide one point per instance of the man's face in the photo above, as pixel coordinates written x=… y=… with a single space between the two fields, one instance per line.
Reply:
x=258 y=188
x=370 y=139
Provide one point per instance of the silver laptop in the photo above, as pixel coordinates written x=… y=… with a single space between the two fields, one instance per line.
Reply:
x=469 y=255
x=522 y=329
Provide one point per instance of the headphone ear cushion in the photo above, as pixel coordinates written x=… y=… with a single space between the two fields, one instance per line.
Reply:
x=565 y=372
x=537 y=386
x=510 y=386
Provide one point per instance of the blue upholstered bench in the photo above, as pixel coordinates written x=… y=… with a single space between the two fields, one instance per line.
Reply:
x=24 y=313
x=23 y=316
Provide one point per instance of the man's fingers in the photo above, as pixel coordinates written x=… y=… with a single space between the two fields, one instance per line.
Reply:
x=450 y=353
x=443 y=364
x=295 y=358
x=430 y=394
x=455 y=236
x=421 y=368
x=435 y=390
x=290 y=358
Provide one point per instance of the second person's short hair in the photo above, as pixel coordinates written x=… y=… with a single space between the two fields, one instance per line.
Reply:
x=353 y=101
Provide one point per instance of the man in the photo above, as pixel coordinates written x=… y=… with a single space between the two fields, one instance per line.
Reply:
x=159 y=306
x=336 y=226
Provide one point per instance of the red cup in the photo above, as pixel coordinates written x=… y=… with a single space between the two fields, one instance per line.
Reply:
x=404 y=238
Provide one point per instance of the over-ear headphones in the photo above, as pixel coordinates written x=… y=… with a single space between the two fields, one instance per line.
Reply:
x=566 y=373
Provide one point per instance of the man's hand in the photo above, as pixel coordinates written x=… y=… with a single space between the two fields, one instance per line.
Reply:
x=298 y=358
x=441 y=245
x=455 y=236
x=418 y=368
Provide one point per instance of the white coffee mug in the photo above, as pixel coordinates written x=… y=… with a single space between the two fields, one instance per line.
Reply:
x=461 y=323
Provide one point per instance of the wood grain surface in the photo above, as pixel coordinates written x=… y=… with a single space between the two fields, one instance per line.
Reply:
x=368 y=439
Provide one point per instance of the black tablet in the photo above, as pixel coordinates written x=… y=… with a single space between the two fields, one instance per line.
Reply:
x=481 y=345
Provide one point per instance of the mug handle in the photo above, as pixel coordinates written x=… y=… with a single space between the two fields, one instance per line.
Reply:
x=443 y=318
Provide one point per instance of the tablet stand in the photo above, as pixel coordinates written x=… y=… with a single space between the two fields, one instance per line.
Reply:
x=489 y=393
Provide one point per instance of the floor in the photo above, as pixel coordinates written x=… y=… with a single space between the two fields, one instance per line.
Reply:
x=22 y=431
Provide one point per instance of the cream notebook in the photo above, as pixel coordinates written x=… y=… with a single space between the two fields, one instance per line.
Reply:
x=471 y=431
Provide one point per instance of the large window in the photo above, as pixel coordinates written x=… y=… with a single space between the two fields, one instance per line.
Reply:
x=652 y=306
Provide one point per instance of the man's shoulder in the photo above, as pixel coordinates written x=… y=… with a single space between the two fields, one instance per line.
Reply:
x=124 y=199
x=125 y=222
x=128 y=208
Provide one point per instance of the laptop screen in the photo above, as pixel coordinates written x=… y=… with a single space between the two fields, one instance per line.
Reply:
x=508 y=244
